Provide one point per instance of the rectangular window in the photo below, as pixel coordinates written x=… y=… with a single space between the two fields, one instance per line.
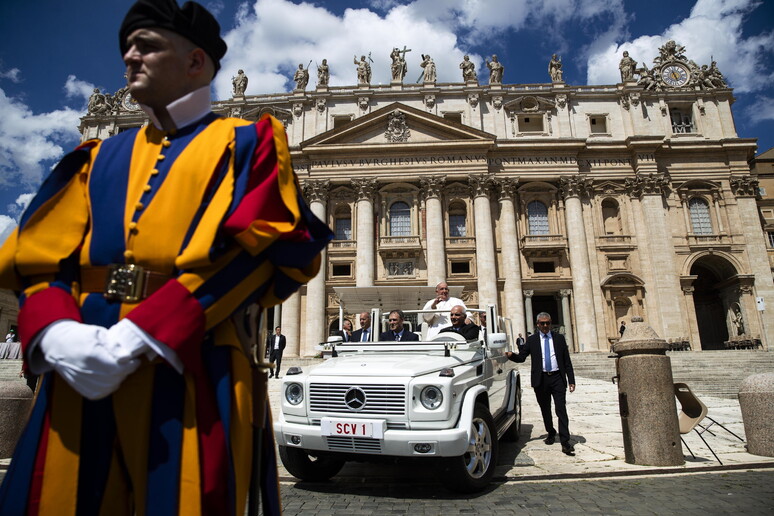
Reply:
x=454 y=117
x=530 y=123
x=341 y=269
x=771 y=239
x=543 y=267
x=598 y=124
x=457 y=226
x=460 y=267
x=682 y=120
x=343 y=228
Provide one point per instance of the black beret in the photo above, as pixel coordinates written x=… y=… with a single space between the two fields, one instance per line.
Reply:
x=192 y=21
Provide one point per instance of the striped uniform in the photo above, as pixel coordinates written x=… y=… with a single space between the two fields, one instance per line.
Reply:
x=214 y=205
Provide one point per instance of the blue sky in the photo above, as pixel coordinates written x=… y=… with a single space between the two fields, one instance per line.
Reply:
x=53 y=53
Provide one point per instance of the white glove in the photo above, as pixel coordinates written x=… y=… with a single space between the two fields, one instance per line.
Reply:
x=84 y=355
x=134 y=341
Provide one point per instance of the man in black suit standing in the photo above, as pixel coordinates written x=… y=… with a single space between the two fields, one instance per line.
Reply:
x=346 y=331
x=364 y=333
x=397 y=332
x=551 y=374
x=276 y=343
x=458 y=316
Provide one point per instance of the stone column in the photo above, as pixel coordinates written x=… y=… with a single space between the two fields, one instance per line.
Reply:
x=277 y=319
x=365 y=236
x=567 y=317
x=512 y=291
x=485 y=249
x=745 y=189
x=436 y=248
x=315 y=322
x=528 y=309
x=661 y=250
x=586 y=333
x=291 y=317
x=686 y=284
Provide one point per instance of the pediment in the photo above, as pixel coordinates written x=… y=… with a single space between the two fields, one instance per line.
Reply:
x=397 y=124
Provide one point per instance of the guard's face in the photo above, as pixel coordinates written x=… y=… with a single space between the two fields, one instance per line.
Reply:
x=544 y=324
x=365 y=320
x=157 y=62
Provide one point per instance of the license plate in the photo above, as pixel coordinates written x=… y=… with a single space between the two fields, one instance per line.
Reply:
x=352 y=427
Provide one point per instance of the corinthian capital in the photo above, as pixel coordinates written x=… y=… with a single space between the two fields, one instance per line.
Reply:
x=508 y=186
x=647 y=184
x=364 y=188
x=575 y=186
x=744 y=186
x=316 y=190
x=432 y=185
x=481 y=184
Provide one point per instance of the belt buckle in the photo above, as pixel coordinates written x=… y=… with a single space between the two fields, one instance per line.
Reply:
x=125 y=282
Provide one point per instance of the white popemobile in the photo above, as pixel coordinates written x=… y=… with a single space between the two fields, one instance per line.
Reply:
x=444 y=399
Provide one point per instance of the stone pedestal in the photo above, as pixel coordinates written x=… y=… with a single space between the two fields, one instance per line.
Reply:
x=756 y=399
x=646 y=398
x=15 y=406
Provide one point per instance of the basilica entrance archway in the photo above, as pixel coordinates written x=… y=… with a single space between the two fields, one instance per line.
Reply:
x=720 y=299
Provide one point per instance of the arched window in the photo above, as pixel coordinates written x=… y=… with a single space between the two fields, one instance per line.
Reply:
x=700 y=216
x=400 y=219
x=611 y=217
x=457 y=220
x=537 y=216
x=343 y=223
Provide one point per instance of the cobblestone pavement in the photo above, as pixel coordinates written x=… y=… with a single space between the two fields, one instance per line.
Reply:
x=727 y=492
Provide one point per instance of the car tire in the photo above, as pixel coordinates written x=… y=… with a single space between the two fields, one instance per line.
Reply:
x=514 y=431
x=306 y=467
x=472 y=471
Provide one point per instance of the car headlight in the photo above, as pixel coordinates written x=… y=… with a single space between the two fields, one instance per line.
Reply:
x=294 y=393
x=431 y=397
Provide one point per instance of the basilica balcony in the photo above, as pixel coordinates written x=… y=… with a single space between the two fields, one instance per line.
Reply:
x=700 y=242
x=399 y=246
x=543 y=245
x=615 y=242
x=342 y=247
x=461 y=242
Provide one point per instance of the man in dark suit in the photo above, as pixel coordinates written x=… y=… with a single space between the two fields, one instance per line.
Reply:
x=458 y=316
x=551 y=374
x=364 y=333
x=346 y=331
x=397 y=332
x=276 y=343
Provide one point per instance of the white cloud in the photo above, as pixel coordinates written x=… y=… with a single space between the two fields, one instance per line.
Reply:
x=761 y=109
x=13 y=75
x=78 y=89
x=30 y=142
x=713 y=30
x=7 y=225
x=272 y=37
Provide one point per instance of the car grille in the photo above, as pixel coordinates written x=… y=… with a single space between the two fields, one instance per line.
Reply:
x=354 y=444
x=380 y=399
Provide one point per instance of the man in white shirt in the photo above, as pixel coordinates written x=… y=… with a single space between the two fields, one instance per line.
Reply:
x=442 y=301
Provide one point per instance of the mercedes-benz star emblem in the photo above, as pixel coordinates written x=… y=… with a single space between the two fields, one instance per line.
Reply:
x=355 y=398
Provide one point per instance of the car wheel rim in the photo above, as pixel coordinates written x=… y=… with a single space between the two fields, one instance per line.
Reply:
x=479 y=453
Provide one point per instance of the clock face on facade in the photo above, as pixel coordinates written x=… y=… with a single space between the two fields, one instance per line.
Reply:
x=675 y=75
x=129 y=103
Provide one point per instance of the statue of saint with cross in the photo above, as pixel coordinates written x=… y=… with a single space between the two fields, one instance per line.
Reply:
x=398 y=67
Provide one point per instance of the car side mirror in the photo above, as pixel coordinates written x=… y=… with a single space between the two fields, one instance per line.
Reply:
x=496 y=340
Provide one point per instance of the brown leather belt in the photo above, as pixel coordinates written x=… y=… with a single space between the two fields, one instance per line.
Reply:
x=128 y=283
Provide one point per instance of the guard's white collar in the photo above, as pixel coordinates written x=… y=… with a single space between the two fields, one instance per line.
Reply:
x=187 y=109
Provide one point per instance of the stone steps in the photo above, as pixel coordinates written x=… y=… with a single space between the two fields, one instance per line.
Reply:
x=711 y=373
